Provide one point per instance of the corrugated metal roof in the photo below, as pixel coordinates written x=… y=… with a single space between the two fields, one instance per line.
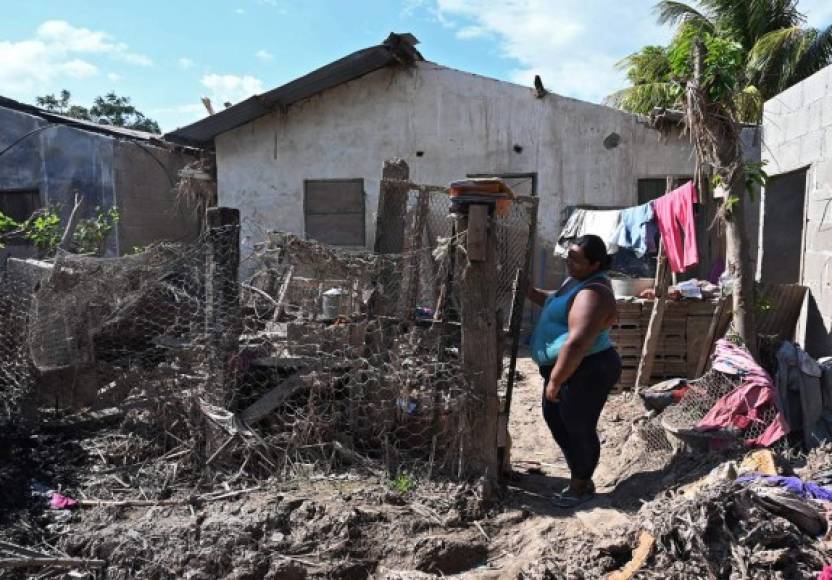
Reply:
x=80 y=123
x=397 y=48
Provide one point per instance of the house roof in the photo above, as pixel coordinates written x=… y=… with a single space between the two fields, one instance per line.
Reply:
x=80 y=123
x=397 y=48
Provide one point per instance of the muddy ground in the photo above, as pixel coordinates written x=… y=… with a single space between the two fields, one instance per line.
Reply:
x=354 y=524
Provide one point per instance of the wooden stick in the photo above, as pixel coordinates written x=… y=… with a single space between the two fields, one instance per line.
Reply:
x=281 y=295
x=707 y=346
x=163 y=502
x=66 y=239
x=47 y=561
x=260 y=292
x=654 y=327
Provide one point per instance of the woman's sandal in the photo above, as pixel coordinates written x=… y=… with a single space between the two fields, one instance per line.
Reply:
x=569 y=499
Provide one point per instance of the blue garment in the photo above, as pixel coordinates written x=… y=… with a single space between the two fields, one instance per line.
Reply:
x=806 y=490
x=633 y=229
x=552 y=328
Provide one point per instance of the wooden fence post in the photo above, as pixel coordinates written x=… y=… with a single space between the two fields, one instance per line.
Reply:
x=392 y=207
x=223 y=320
x=479 y=340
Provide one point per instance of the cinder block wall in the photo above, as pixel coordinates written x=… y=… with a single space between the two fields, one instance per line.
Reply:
x=797 y=134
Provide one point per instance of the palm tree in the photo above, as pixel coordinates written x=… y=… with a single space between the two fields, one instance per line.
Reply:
x=765 y=45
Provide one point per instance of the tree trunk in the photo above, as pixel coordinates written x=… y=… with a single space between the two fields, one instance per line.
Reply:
x=738 y=261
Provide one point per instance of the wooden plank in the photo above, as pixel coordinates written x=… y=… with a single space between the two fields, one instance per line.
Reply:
x=651 y=344
x=477 y=232
x=710 y=337
x=273 y=399
x=697 y=340
x=284 y=289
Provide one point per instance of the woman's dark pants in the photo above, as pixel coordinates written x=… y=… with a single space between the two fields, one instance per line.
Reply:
x=573 y=420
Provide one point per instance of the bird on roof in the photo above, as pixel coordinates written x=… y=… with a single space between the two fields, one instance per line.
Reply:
x=539 y=90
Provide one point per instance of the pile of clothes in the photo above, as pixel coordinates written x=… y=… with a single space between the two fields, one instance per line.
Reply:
x=637 y=228
x=737 y=400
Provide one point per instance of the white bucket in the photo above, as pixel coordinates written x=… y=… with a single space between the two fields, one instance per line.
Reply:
x=623 y=287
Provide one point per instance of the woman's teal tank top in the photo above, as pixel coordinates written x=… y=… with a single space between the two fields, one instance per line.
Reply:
x=552 y=328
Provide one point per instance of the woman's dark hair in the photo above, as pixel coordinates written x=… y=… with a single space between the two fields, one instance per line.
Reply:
x=595 y=250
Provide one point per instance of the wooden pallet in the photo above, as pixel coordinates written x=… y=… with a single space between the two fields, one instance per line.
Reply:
x=684 y=328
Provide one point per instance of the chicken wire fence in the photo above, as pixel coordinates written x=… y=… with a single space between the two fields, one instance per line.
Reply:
x=700 y=396
x=427 y=213
x=323 y=358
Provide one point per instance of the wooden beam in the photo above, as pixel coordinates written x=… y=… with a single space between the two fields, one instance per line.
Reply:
x=479 y=347
x=654 y=327
x=477 y=233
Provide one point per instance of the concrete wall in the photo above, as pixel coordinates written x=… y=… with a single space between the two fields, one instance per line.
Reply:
x=60 y=160
x=463 y=124
x=145 y=179
x=797 y=133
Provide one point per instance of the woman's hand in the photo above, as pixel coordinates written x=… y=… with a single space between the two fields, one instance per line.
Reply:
x=552 y=391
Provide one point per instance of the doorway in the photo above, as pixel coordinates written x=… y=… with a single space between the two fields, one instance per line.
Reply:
x=782 y=229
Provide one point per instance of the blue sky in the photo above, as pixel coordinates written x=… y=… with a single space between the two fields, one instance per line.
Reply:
x=165 y=55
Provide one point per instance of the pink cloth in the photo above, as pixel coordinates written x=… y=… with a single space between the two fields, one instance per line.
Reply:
x=62 y=502
x=674 y=214
x=746 y=404
x=826 y=573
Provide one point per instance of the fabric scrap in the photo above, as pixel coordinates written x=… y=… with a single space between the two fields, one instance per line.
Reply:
x=677 y=225
x=747 y=404
x=62 y=502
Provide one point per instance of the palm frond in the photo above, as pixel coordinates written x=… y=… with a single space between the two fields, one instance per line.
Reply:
x=773 y=60
x=642 y=99
x=673 y=13
x=817 y=54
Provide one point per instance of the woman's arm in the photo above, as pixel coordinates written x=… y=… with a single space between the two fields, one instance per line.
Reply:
x=589 y=315
x=536 y=295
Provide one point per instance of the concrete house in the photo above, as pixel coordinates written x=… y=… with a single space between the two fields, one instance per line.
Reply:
x=796 y=222
x=329 y=132
x=46 y=158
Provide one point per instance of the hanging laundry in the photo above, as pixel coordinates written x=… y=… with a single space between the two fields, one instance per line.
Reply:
x=747 y=405
x=600 y=222
x=632 y=230
x=674 y=214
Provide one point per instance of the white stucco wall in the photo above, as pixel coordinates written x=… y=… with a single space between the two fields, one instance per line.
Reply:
x=463 y=123
x=797 y=133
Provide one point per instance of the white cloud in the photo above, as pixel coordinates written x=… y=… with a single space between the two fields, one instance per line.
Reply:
x=264 y=55
x=58 y=50
x=572 y=44
x=114 y=77
x=239 y=11
x=231 y=88
x=30 y=65
x=63 y=35
x=186 y=63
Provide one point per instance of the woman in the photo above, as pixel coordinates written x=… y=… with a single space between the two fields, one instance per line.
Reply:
x=579 y=365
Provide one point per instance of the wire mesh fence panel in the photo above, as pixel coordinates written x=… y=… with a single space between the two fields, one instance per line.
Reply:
x=304 y=365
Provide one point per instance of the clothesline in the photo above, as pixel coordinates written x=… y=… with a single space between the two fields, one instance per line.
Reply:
x=635 y=228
